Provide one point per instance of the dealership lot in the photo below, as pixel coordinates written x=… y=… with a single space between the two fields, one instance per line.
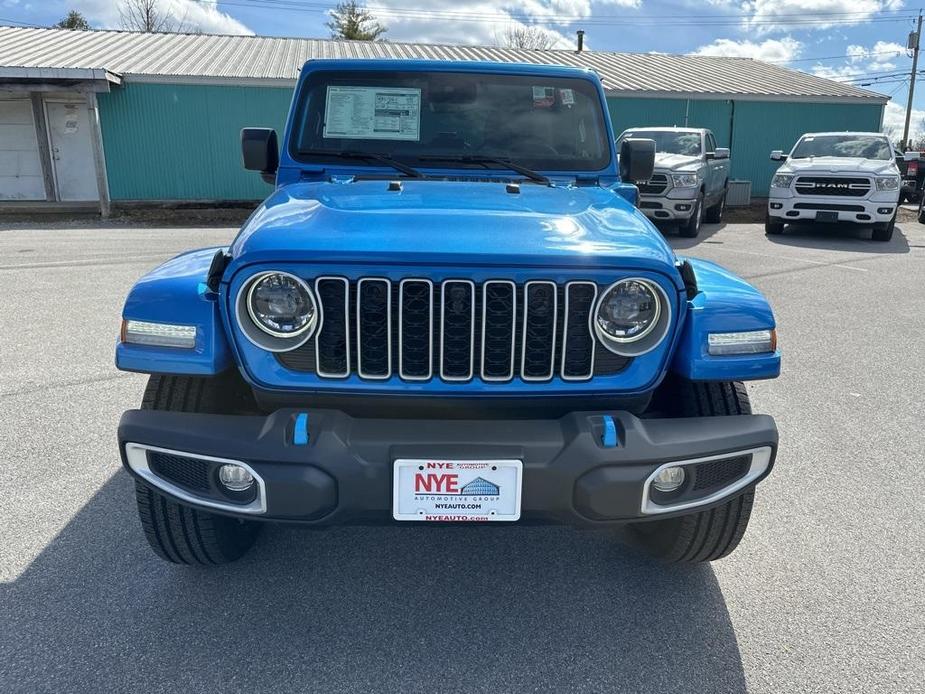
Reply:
x=823 y=595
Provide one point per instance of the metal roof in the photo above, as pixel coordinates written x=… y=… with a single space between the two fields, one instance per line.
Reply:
x=249 y=59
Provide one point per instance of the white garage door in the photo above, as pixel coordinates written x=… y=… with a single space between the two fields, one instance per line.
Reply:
x=20 y=167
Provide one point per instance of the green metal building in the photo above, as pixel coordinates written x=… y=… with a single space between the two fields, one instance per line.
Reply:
x=118 y=117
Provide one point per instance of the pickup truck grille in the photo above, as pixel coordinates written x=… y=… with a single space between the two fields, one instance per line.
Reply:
x=832 y=185
x=655 y=185
x=455 y=331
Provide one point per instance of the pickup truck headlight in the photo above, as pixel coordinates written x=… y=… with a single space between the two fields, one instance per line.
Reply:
x=632 y=316
x=888 y=183
x=277 y=311
x=782 y=180
x=685 y=180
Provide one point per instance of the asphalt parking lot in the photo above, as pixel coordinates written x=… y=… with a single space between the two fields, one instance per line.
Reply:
x=824 y=595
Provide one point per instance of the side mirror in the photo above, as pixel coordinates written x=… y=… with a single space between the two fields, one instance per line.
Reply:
x=260 y=151
x=637 y=159
x=721 y=153
x=778 y=155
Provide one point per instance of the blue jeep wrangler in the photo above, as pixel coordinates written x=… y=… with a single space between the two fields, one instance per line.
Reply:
x=449 y=310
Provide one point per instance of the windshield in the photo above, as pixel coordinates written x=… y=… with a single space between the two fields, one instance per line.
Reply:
x=669 y=142
x=863 y=146
x=415 y=118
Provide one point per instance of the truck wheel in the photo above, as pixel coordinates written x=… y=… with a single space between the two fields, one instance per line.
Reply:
x=715 y=213
x=884 y=231
x=178 y=533
x=691 y=227
x=712 y=534
x=772 y=226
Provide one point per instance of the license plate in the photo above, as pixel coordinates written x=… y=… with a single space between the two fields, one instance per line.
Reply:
x=826 y=216
x=457 y=490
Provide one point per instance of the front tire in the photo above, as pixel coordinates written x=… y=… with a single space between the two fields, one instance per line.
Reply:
x=177 y=533
x=715 y=213
x=884 y=232
x=712 y=534
x=691 y=228
x=772 y=226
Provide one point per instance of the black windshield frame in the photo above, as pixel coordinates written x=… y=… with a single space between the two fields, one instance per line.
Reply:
x=307 y=136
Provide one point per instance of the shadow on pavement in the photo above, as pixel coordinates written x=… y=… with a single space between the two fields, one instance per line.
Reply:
x=678 y=242
x=839 y=238
x=362 y=609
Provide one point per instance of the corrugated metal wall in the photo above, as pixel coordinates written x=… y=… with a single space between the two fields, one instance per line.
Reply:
x=183 y=142
x=757 y=127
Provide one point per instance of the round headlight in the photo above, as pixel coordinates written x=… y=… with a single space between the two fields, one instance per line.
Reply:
x=632 y=316
x=281 y=305
x=628 y=311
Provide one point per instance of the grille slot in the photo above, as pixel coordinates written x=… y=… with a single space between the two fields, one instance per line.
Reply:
x=374 y=328
x=416 y=331
x=189 y=473
x=332 y=344
x=577 y=341
x=539 y=330
x=499 y=329
x=455 y=330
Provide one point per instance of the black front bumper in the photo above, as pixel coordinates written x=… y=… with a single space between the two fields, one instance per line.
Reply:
x=344 y=473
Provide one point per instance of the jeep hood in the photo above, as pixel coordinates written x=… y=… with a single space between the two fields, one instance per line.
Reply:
x=839 y=165
x=666 y=161
x=438 y=222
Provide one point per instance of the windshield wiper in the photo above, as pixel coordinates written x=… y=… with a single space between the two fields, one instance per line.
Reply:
x=370 y=156
x=478 y=159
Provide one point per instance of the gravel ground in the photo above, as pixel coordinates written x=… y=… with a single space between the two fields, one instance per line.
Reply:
x=824 y=595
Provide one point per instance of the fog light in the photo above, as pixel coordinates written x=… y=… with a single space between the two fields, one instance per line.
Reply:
x=669 y=479
x=776 y=205
x=682 y=208
x=884 y=210
x=235 y=478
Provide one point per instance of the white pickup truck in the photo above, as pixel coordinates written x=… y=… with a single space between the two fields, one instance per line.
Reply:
x=846 y=177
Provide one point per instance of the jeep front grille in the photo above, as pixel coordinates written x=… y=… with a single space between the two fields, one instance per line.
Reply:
x=454 y=330
x=832 y=185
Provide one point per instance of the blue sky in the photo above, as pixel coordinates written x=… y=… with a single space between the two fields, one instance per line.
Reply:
x=861 y=41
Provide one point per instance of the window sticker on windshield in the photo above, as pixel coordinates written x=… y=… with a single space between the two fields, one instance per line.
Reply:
x=373 y=113
x=566 y=97
x=544 y=97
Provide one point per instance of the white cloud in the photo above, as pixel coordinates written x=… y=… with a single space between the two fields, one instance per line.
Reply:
x=195 y=16
x=767 y=16
x=772 y=50
x=454 y=19
x=894 y=118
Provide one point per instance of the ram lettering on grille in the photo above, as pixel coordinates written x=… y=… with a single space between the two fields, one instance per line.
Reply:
x=455 y=330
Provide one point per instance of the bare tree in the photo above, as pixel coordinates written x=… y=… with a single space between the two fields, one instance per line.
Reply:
x=530 y=37
x=149 y=16
x=350 y=20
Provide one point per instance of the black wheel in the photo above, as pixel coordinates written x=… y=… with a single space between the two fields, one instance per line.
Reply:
x=691 y=227
x=884 y=231
x=921 y=216
x=712 y=534
x=178 y=533
x=773 y=226
x=715 y=213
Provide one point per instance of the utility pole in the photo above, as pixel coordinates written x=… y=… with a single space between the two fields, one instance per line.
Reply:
x=914 y=41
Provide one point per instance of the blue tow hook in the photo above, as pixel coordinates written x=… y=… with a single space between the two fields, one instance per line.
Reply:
x=300 y=433
x=609 y=437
